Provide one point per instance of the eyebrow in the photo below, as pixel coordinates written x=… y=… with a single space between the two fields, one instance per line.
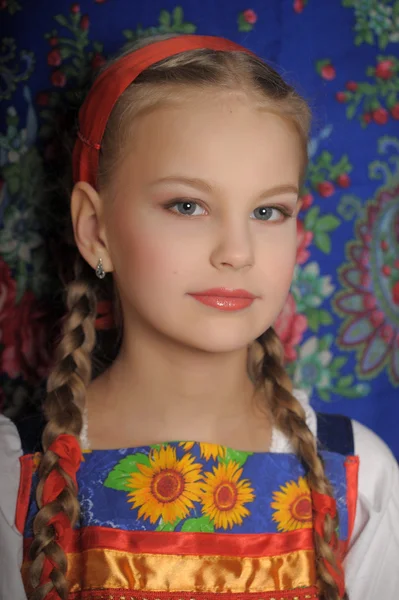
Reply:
x=203 y=185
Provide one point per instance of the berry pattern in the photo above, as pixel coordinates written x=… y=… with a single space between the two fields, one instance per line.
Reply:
x=340 y=323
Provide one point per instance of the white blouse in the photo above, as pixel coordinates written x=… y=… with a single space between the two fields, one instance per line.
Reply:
x=372 y=563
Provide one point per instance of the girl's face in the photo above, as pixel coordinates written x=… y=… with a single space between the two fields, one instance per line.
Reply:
x=206 y=197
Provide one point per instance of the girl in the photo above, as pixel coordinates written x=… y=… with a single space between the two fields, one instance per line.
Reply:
x=187 y=166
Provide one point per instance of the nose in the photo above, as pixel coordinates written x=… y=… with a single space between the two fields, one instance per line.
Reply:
x=234 y=246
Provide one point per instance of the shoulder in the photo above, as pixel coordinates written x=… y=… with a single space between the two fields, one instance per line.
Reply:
x=376 y=459
x=9 y=439
x=378 y=468
x=10 y=453
x=11 y=547
x=374 y=545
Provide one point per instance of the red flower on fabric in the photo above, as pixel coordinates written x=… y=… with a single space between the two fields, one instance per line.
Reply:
x=290 y=327
x=85 y=23
x=384 y=69
x=304 y=239
x=58 y=78
x=343 y=180
x=380 y=116
x=341 y=97
x=325 y=189
x=307 y=201
x=25 y=339
x=395 y=294
x=351 y=86
x=54 y=58
x=395 y=111
x=328 y=72
x=366 y=117
x=250 y=16
x=299 y=5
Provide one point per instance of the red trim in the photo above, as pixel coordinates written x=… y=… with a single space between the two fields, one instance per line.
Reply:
x=25 y=484
x=352 y=476
x=309 y=593
x=352 y=472
x=162 y=542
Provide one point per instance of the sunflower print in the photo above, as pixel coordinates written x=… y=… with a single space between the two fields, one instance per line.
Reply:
x=208 y=451
x=293 y=506
x=167 y=488
x=224 y=495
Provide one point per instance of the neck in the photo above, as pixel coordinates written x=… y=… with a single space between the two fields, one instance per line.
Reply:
x=161 y=390
x=169 y=378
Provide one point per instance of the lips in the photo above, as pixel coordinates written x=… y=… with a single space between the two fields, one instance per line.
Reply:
x=224 y=299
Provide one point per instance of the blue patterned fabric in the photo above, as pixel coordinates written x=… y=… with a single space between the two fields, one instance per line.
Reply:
x=340 y=326
x=272 y=494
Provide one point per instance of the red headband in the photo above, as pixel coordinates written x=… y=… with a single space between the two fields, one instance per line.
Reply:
x=107 y=88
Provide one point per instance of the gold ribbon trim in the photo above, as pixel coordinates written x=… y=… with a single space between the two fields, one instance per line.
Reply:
x=114 y=569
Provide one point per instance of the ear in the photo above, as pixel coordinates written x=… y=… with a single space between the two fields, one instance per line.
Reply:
x=88 y=226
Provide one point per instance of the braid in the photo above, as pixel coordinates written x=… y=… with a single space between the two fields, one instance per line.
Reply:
x=63 y=406
x=290 y=418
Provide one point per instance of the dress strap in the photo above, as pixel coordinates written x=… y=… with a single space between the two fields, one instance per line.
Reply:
x=30 y=429
x=335 y=434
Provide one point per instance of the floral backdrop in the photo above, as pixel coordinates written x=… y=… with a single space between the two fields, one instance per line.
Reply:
x=340 y=325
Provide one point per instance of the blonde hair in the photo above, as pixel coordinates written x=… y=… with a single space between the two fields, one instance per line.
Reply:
x=159 y=84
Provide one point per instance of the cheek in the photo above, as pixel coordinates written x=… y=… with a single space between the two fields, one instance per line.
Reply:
x=152 y=259
x=277 y=255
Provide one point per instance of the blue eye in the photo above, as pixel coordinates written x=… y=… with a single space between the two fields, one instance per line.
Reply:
x=185 y=208
x=271 y=213
x=264 y=212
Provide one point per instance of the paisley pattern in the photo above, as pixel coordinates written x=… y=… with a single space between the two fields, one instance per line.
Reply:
x=340 y=325
x=370 y=300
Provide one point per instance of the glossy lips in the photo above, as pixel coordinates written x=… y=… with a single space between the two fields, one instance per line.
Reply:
x=223 y=299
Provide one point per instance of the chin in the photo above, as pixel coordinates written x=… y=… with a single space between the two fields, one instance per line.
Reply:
x=221 y=337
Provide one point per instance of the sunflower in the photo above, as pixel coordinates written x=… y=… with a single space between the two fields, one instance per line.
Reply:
x=167 y=488
x=207 y=450
x=224 y=495
x=293 y=506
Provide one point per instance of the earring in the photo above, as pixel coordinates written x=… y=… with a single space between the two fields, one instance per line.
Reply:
x=100 y=269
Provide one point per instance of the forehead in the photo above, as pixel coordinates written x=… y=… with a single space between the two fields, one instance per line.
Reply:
x=223 y=137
